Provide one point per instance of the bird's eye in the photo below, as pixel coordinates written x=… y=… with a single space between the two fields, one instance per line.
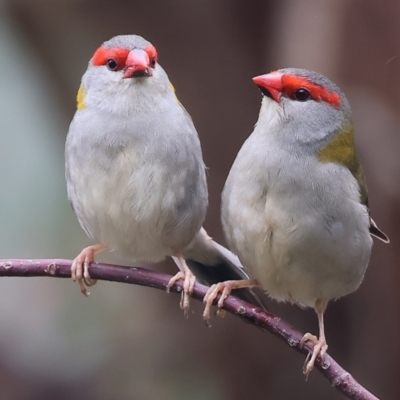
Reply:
x=112 y=65
x=152 y=62
x=302 y=95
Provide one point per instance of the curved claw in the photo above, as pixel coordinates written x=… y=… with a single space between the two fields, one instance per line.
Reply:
x=225 y=288
x=319 y=350
x=80 y=267
x=188 y=285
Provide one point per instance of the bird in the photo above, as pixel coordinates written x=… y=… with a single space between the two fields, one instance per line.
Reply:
x=295 y=204
x=134 y=170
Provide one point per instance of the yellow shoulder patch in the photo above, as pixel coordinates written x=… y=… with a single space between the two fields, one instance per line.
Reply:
x=173 y=89
x=341 y=149
x=80 y=98
x=177 y=100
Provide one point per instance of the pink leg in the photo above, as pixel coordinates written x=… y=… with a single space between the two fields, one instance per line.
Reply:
x=320 y=346
x=80 y=267
x=188 y=284
x=225 y=288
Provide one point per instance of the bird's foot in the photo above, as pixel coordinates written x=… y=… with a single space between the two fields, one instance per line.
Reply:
x=319 y=350
x=80 y=267
x=188 y=285
x=225 y=288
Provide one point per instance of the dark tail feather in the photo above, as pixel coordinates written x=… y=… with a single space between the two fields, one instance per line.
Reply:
x=208 y=275
x=212 y=263
x=375 y=231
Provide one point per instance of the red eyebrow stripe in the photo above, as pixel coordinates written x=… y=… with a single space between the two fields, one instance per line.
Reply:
x=290 y=83
x=151 y=51
x=102 y=54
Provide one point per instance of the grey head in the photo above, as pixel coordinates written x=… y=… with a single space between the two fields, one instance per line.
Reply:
x=124 y=64
x=312 y=109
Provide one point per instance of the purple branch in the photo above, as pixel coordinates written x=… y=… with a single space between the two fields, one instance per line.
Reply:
x=332 y=371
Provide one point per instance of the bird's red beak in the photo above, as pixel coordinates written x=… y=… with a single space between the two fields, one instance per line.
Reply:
x=137 y=64
x=270 y=85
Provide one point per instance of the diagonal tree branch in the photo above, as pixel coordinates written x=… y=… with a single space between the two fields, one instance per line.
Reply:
x=58 y=268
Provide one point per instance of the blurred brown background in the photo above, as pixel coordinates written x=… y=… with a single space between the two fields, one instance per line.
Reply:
x=128 y=342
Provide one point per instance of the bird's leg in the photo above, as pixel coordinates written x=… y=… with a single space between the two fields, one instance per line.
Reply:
x=188 y=283
x=225 y=289
x=320 y=346
x=80 y=267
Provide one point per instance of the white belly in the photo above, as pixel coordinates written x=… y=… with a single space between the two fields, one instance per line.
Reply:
x=300 y=243
x=144 y=215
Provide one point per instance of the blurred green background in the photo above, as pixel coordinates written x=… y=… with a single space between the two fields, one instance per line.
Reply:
x=128 y=342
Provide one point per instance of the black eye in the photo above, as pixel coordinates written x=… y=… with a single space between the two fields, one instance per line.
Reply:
x=302 y=95
x=112 y=65
x=153 y=62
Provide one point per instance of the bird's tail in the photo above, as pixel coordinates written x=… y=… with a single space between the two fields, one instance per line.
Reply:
x=212 y=263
